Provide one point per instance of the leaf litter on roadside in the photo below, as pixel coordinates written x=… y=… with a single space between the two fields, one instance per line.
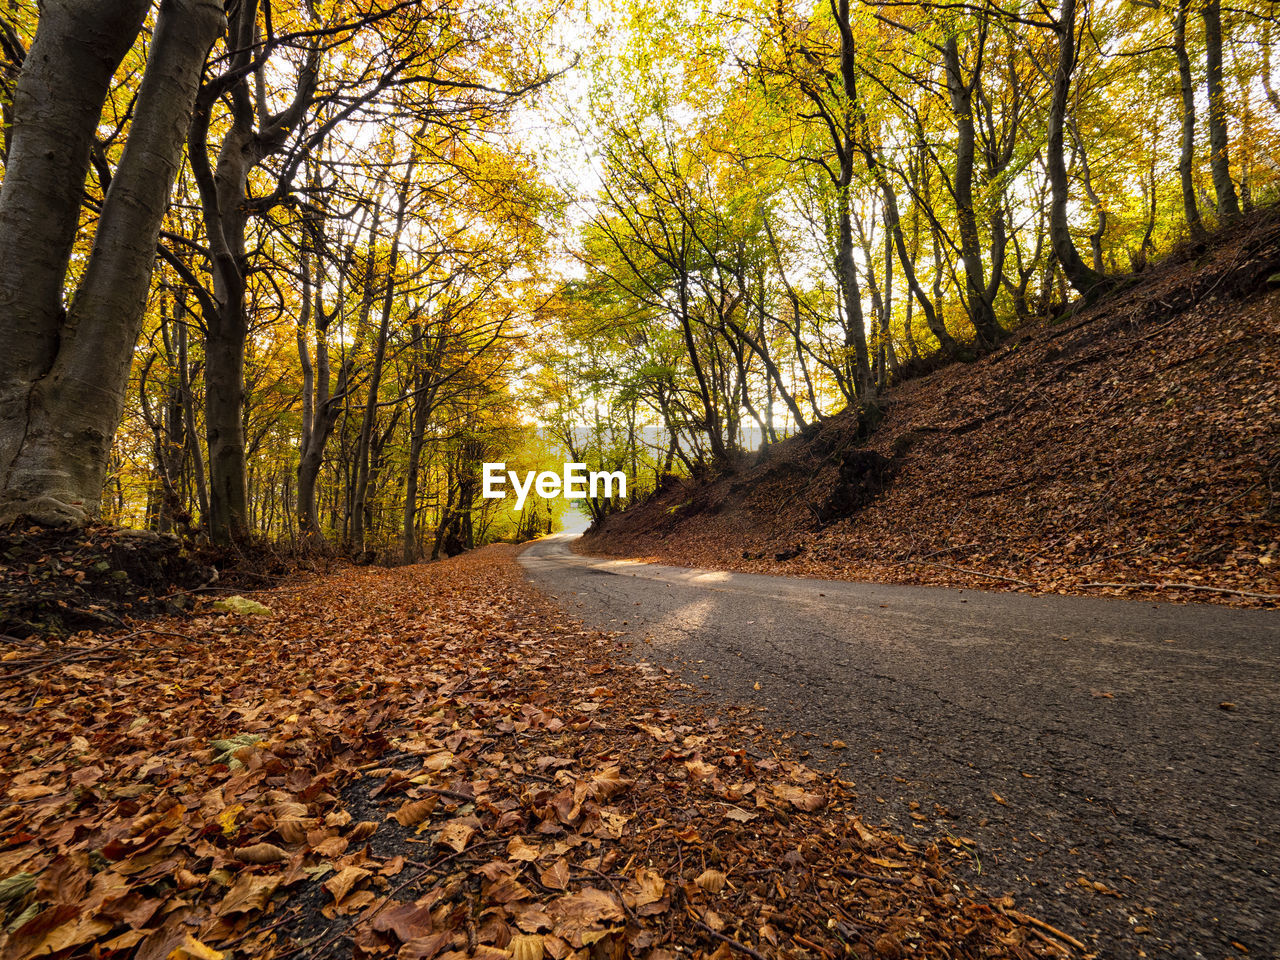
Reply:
x=433 y=762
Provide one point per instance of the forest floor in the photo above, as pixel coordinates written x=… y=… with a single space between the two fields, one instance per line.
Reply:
x=432 y=761
x=58 y=581
x=1132 y=449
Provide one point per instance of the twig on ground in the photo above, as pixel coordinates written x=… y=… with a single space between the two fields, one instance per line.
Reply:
x=858 y=875
x=728 y=940
x=1047 y=928
x=82 y=654
x=1183 y=586
x=976 y=573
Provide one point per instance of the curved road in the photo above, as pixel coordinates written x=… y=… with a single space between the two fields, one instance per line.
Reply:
x=1130 y=745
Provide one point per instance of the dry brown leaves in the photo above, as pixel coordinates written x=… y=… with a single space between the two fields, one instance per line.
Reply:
x=432 y=762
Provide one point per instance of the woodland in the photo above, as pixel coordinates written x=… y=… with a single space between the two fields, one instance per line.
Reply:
x=357 y=250
x=278 y=278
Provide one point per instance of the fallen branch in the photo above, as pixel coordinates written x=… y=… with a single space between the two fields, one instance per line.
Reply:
x=1184 y=586
x=858 y=875
x=447 y=794
x=1047 y=928
x=963 y=546
x=84 y=654
x=976 y=573
x=691 y=914
x=728 y=940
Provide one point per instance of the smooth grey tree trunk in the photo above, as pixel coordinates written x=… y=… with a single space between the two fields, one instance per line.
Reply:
x=54 y=471
x=56 y=107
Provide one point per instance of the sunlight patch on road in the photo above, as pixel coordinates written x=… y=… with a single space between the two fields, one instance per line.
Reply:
x=710 y=576
x=681 y=623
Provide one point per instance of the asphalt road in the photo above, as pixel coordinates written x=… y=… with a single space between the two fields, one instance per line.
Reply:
x=1130 y=744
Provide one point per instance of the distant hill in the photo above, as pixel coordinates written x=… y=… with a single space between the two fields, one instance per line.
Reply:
x=1133 y=442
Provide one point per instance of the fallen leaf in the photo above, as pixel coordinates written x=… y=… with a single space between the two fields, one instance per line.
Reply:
x=250 y=893
x=519 y=850
x=798 y=798
x=340 y=884
x=455 y=835
x=712 y=881
x=260 y=853
x=556 y=876
x=193 y=949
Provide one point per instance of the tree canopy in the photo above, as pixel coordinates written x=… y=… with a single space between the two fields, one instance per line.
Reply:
x=297 y=269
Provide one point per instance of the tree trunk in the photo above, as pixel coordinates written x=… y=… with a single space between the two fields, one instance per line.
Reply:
x=1272 y=96
x=189 y=416
x=855 y=330
x=1099 y=211
x=323 y=400
x=310 y=453
x=417 y=437
x=1085 y=280
x=168 y=434
x=1219 y=164
x=932 y=320
x=56 y=106
x=426 y=387
x=981 y=313
x=714 y=435
x=57 y=470
x=224 y=423
x=886 y=320
x=1187 y=156
x=855 y=337
x=226 y=206
x=360 y=508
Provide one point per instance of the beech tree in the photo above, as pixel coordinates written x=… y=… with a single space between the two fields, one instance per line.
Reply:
x=1219 y=163
x=64 y=371
x=1084 y=278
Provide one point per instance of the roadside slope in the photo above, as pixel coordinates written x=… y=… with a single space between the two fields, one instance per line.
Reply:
x=1137 y=442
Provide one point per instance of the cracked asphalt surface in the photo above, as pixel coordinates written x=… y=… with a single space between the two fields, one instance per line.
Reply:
x=1132 y=745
